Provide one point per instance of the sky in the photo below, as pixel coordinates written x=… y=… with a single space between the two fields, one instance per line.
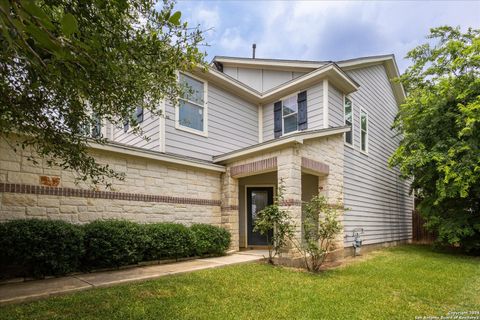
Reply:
x=322 y=30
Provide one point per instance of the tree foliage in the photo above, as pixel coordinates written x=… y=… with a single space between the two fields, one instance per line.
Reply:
x=273 y=217
x=320 y=227
x=66 y=64
x=440 y=125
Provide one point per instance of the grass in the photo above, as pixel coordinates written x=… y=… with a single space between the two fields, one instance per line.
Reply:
x=398 y=283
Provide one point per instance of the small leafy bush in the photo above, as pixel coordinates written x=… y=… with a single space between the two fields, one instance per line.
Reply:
x=273 y=217
x=168 y=240
x=210 y=239
x=113 y=243
x=320 y=228
x=40 y=247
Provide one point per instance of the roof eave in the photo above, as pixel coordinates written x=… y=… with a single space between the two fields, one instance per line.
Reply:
x=230 y=84
x=270 y=64
x=155 y=155
x=278 y=143
x=331 y=72
x=391 y=68
x=310 y=66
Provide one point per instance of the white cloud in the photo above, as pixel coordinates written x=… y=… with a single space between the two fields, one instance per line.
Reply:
x=232 y=41
x=325 y=30
x=209 y=19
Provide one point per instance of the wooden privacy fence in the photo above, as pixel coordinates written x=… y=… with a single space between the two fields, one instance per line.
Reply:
x=420 y=233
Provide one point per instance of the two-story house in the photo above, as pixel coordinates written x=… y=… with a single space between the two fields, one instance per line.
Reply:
x=245 y=127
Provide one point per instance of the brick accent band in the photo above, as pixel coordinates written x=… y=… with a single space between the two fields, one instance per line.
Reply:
x=254 y=167
x=291 y=202
x=71 y=192
x=228 y=208
x=316 y=166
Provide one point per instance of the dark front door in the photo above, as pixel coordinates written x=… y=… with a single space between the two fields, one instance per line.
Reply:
x=257 y=199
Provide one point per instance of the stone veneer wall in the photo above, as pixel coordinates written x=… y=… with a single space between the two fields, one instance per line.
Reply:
x=153 y=191
x=327 y=150
x=330 y=150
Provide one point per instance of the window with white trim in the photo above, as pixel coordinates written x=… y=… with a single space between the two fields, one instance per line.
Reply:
x=137 y=118
x=290 y=114
x=191 y=108
x=348 y=115
x=364 y=130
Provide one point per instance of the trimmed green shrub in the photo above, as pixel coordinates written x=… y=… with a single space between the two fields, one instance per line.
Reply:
x=51 y=247
x=210 y=239
x=113 y=243
x=168 y=240
x=40 y=247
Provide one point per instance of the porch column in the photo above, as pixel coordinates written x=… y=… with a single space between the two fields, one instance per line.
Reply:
x=331 y=186
x=290 y=174
x=229 y=210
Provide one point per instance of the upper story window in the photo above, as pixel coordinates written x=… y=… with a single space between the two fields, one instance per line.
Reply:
x=139 y=114
x=364 y=130
x=137 y=117
x=92 y=128
x=348 y=112
x=191 y=111
x=97 y=128
x=290 y=114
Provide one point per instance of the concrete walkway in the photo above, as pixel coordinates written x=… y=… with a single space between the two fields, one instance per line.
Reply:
x=38 y=289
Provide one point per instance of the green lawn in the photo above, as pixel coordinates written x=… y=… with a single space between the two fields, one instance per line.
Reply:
x=397 y=283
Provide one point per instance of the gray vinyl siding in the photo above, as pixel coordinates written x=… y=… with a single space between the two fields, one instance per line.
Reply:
x=377 y=199
x=315 y=106
x=151 y=130
x=232 y=125
x=261 y=79
x=268 y=121
x=314 y=112
x=335 y=105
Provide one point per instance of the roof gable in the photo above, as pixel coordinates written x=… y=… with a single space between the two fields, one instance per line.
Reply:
x=329 y=71
x=310 y=66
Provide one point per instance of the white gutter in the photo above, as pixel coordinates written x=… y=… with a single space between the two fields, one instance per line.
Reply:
x=330 y=70
x=148 y=154
x=252 y=63
x=278 y=143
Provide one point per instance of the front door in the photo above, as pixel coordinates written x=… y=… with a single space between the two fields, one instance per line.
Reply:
x=257 y=199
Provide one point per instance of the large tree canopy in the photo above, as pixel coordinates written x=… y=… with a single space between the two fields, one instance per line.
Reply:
x=440 y=124
x=64 y=64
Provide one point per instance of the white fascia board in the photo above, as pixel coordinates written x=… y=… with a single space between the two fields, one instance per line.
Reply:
x=263 y=147
x=390 y=65
x=278 y=143
x=286 y=65
x=362 y=62
x=148 y=154
x=331 y=71
x=224 y=81
x=336 y=76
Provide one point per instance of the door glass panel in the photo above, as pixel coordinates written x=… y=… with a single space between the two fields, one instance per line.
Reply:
x=259 y=201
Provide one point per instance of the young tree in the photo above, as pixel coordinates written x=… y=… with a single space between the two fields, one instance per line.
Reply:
x=440 y=126
x=273 y=217
x=65 y=64
x=320 y=227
